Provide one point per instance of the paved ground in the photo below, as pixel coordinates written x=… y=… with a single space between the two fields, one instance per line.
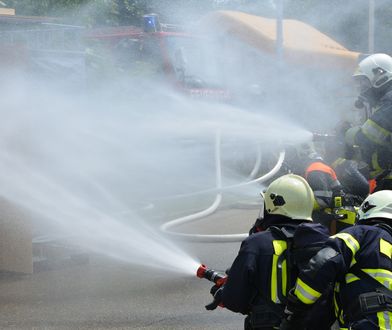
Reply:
x=106 y=294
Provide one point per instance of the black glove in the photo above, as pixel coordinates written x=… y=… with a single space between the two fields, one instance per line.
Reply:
x=292 y=321
x=216 y=292
x=214 y=289
x=295 y=313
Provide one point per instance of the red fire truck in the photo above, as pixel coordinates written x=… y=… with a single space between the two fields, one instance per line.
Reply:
x=156 y=51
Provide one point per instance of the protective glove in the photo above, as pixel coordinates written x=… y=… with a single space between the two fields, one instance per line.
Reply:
x=216 y=292
x=295 y=313
x=219 y=283
x=214 y=289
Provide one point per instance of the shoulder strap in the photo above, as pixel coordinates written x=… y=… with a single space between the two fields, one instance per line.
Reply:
x=286 y=235
x=278 y=309
x=357 y=271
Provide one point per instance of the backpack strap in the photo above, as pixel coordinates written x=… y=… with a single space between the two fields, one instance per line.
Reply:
x=357 y=271
x=377 y=300
x=286 y=235
x=266 y=313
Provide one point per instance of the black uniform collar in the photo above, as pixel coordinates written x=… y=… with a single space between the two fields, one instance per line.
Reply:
x=279 y=221
x=386 y=227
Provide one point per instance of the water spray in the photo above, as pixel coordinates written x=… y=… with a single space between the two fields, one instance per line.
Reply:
x=322 y=137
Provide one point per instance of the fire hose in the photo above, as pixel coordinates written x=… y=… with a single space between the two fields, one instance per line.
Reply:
x=214 y=206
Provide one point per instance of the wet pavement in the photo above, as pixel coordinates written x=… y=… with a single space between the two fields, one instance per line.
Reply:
x=107 y=294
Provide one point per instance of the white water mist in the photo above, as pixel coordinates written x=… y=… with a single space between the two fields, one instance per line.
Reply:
x=86 y=166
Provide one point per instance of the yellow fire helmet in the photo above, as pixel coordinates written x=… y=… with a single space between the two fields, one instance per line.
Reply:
x=290 y=195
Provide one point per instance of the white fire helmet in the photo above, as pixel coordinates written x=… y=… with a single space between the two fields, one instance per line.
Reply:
x=374 y=71
x=290 y=195
x=377 y=205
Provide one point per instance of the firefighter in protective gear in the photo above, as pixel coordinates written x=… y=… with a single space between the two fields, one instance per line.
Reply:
x=351 y=173
x=354 y=184
x=358 y=261
x=261 y=275
x=374 y=78
x=322 y=178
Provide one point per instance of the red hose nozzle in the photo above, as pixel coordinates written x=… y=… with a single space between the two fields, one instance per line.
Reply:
x=201 y=271
x=209 y=274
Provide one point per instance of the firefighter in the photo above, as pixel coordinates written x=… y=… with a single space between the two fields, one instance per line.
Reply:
x=263 y=272
x=352 y=177
x=358 y=262
x=322 y=178
x=374 y=79
x=351 y=173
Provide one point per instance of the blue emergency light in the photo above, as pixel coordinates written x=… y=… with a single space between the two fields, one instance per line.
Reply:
x=151 y=23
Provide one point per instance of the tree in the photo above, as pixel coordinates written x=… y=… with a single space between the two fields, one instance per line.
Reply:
x=345 y=21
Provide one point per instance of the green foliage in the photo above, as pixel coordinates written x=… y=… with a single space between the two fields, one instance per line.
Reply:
x=87 y=12
x=346 y=21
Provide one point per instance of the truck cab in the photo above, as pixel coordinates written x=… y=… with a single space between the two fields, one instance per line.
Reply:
x=161 y=52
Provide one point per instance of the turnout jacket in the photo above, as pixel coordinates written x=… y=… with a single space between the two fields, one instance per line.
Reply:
x=254 y=272
x=370 y=247
x=374 y=137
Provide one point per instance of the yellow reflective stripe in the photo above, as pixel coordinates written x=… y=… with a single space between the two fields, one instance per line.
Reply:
x=305 y=293
x=381 y=275
x=335 y=304
x=349 y=240
x=284 y=277
x=376 y=168
x=338 y=310
x=279 y=247
x=375 y=164
x=384 y=320
x=375 y=132
x=386 y=248
x=316 y=206
x=351 y=278
x=337 y=162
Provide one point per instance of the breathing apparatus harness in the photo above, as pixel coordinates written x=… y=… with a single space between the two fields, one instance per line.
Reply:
x=264 y=313
x=378 y=300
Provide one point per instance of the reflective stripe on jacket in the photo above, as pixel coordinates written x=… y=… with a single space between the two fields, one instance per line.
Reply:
x=370 y=247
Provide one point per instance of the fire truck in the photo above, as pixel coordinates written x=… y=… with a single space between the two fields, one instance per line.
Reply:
x=156 y=51
x=227 y=55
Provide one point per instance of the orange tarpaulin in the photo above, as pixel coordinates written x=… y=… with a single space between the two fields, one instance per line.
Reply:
x=301 y=42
